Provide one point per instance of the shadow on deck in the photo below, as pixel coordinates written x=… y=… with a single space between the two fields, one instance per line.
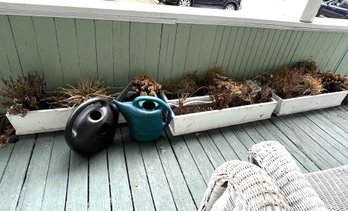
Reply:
x=41 y=173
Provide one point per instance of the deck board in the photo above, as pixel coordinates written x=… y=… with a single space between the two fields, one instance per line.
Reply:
x=191 y=173
x=5 y=157
x=161 y=193
x=13 y=178
x=42 y=173
x=77 y=192
x=99 y=192
x=34 y=186
x=141 y=192
x=121 y=197
x=225 y=149
x=54 y=197
x=177 y=183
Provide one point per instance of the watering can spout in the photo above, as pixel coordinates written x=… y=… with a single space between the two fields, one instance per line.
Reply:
x=124 y=108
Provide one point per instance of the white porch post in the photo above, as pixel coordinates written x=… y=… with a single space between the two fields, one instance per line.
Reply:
x=310 y=11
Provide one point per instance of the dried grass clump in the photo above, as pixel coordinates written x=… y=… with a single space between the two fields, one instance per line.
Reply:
x=300 y=80
x=333 y=82
x=184 y=86
x=228 y=93
x=23 y=94
x=144 y=85
x=72 y=96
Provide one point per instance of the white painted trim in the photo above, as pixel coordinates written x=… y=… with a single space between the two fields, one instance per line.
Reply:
x=136 y=12
x=310 y=11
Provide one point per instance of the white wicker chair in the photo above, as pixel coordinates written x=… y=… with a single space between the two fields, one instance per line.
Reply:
x=273 y=181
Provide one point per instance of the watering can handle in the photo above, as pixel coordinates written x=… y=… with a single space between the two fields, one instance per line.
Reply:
x=69 y=126
x=164 y=106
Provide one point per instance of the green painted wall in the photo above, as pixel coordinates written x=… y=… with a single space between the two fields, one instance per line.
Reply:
x=64 y=50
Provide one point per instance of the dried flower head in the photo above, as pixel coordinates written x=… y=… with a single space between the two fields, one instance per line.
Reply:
x=144 y=85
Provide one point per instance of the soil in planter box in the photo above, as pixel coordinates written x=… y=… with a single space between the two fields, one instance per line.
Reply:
x=193 y=108
x=7 y=132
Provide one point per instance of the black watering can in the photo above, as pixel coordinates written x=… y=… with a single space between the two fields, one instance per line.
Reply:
x=92 y=125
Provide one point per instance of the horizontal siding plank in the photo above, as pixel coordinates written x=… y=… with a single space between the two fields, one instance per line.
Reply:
x=166 y=52
x=10 y=63
x=180 y=53
x=121 y=47
x=65 y=50
x=256 y=61
x=338 y=54
x=249 y=71
x=86 y=46
x=243 y=69
x=48 y=50
x=223 y=45
x=137 y=45
x=26 y=43
x=152 y=48
x=206 y=48
x=194 y=49
x=105 y=50
x=68 y=50
x=216 y=47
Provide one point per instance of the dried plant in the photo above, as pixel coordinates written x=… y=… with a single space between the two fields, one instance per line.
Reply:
x=144 y=85
x=300 y=80
x=228 y=93
x=7 y=134
x=312 y=85
x=333 y=82
x=307 y=66
x=23 y=94
x=72 y=96
x=188 y=85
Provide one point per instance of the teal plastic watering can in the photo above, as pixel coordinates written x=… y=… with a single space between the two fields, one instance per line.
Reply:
x=147 y=116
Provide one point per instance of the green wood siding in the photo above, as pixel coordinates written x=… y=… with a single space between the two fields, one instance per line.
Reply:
x=66 y=49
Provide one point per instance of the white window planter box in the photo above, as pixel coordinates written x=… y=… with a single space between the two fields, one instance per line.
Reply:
x=307 y=103
x=195 y=122
x=46 y=120
x=39 y=121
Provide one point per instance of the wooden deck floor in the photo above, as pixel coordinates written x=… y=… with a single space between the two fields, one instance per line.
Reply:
x=41 y=173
